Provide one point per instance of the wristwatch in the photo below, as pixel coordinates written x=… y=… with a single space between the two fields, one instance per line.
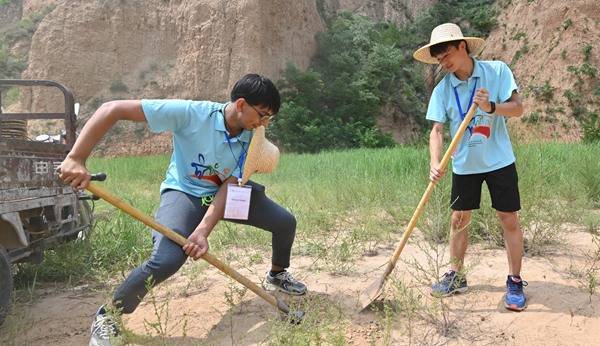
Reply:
x=493 y=104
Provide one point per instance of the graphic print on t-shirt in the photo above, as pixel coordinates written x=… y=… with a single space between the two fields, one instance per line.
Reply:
x=206 y=172
x=481 y=130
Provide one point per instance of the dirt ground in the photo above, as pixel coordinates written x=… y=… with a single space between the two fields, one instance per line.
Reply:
x=204 y=307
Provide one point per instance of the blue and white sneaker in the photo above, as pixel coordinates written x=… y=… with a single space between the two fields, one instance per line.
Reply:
x=515 y=299
x=451 y=283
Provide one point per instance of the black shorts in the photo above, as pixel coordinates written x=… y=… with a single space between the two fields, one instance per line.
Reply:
x=502 y=183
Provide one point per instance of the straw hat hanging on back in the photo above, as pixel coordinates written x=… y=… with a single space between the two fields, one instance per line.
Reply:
x=262 y=155
x=445 y=33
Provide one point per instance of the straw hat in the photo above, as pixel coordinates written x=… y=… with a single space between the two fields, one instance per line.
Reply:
x=445 y=33
x=262 y=155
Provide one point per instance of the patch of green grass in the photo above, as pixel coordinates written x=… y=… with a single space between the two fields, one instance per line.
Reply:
x=346 y=204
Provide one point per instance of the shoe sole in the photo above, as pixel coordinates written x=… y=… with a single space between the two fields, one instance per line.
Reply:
x=451 y=293
x=513 y=307
x=271 y=287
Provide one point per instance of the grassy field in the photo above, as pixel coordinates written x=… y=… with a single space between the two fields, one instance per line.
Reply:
x=346 y=203
x=370 y=193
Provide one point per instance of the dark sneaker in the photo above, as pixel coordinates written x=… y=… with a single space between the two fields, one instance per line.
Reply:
x=284 y=282
x=515 y=299
x=104 y=328
x=451 y=283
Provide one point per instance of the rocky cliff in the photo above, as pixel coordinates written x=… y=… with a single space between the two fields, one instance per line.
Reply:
x=106 y=50
x=547 y=43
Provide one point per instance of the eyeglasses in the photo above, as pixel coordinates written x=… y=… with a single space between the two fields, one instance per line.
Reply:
x=262 y=116
x=445 y=53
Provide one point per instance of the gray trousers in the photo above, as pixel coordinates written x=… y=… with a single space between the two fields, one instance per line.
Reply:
x=182 y=213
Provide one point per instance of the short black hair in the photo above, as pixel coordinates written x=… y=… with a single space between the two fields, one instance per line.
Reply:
x=441 y=48
x=257 y=91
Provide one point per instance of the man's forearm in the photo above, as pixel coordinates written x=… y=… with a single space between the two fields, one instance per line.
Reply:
x=101 y=122
x=436 y=144
x=510 y=109
x=216 y=210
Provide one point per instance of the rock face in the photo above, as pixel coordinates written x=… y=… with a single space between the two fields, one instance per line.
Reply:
x=187 y=49
x=104 y=50
x=543 y=39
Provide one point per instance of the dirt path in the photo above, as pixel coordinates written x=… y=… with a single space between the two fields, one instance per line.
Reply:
x=205 y=307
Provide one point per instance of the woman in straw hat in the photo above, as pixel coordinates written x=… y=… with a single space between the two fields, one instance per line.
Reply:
x=210 y=144
x=484 y=154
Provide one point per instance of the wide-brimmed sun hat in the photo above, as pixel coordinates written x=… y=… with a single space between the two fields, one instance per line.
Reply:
x=445 y=33
x=262 y=155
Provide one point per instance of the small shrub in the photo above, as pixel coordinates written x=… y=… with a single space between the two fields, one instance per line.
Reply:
x=588 y=70
x=587 y=52
x=563 y=54
x=566 y=23
x=590 y=125
x=520 y=35
x=543 y=92
x=118 y=86
x=532 y=118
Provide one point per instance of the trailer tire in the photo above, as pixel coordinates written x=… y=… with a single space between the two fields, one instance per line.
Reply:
x=6 y=284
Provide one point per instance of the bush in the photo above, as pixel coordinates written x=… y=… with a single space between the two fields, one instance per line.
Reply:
x=11 y=66
x=359 y=67
x=118 y=86
x=590 y=125
x=543 y=92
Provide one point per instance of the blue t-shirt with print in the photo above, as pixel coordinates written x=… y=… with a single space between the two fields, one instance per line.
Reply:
x=203 y=153
x=485 y=146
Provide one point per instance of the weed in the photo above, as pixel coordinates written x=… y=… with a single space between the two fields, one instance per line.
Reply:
x=162 y=325
x=587 y=52
x=532 y=118
x=519 y=36
x=117 y=86
x=588 y=276
x=588 y=174
x=323 y=324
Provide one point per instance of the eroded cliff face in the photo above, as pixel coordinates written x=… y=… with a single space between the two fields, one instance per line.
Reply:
x=187 y=49
x=398 y=12
x=544 y=41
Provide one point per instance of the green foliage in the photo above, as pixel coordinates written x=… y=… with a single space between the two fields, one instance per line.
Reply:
x=519 y=54
x=532 y=118
x=25 y=29
x=4 y=2
x=11 y=96
x=590 y=125
x=566 y=23
x=118 y=86
x=11 y=66
x=587 y=52
x=589 y=170
x=543 y=92
x=518 y=36
x=360 y=68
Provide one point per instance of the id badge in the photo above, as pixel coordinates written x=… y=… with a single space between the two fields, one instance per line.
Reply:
x=237 y=204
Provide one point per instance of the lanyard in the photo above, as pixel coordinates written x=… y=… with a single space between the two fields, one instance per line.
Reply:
x=463 y=114
x=241 y=159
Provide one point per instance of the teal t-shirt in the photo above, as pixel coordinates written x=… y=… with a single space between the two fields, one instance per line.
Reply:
x=485 y=146
x=203 y=153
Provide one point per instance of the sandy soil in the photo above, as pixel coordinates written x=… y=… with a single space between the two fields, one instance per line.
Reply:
x=204 y=307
